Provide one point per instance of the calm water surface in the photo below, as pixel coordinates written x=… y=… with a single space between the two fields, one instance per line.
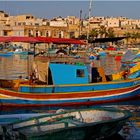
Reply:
x=15 y=66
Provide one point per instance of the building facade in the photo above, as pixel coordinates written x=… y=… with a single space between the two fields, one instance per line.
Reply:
x=59 y=27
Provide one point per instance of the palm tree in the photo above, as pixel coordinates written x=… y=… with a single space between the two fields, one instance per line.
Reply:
x=135 y=36
x=102 y=31
x=128 y=36
x=94 y=33
x=82 y=36
x=110 y=32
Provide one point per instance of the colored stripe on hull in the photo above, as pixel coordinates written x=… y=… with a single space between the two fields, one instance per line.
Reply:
x=10 y=97
x=66 y=104
x=72 y=101
x=76 y=87
x=56 y=96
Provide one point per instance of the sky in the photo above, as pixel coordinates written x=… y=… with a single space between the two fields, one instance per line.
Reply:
x=49 y=9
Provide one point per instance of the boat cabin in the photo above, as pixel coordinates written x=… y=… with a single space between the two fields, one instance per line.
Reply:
x=60 y=73
x=56 y=73
x=66 y=73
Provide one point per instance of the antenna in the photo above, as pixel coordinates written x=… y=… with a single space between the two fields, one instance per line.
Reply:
x=89 y=15
x=80 y=22
x=90 y=4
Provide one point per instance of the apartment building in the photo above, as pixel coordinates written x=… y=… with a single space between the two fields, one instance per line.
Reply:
x=112 y=22
x=58 y=22
x=5 y=28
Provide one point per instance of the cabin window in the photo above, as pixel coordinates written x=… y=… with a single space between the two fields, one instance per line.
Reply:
x=80 y=73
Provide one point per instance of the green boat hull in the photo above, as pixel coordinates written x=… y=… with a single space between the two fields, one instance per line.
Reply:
x=97 y=131
x=80 y=124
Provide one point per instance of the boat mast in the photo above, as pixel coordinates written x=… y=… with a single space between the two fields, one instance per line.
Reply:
x=89 y=15
x=80 y=23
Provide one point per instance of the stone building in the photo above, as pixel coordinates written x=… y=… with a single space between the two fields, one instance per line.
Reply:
x=5 y=28
x=59 y=27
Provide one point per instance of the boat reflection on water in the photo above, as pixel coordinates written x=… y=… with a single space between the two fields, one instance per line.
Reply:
x=131 y=105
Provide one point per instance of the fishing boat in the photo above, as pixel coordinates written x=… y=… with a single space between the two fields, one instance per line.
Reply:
x=65 y=84
x=130 y=59
x=97 y=123
x=65 y=81
x=22 y=52
x=6 y=54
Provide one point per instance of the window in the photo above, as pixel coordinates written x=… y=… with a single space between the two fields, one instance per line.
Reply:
x=59 y=34
x=80 y=73
x=72 y=35
x=37 y=33
x=19 y=24
x=5 y=33
x=47 y=33
x=30 y=33
x=27 y=17
x=37 y=24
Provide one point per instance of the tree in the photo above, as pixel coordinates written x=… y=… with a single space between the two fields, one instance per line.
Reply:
x=94 y=33
x=128 y=36
x=110 y=32
x=102 y=31
x=83 y=36
x=135 y=36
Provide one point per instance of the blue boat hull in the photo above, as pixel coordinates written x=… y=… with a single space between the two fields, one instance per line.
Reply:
x=8 y=54
x=130 y=89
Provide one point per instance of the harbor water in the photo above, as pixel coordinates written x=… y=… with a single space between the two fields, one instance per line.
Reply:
x=17 y=65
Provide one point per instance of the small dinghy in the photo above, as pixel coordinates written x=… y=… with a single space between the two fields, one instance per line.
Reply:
x=79 y=124
x=10 y=118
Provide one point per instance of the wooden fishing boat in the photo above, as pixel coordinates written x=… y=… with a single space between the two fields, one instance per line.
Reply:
x=67 y=84
x=58 y=83
x=79 y=124
x=67 y=81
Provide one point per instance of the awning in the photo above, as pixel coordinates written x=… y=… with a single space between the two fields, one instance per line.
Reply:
x=41 y=40
x=24 y=39
x=101 y=40
x=60 y=40
x=4 y=39
x=19 y=39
